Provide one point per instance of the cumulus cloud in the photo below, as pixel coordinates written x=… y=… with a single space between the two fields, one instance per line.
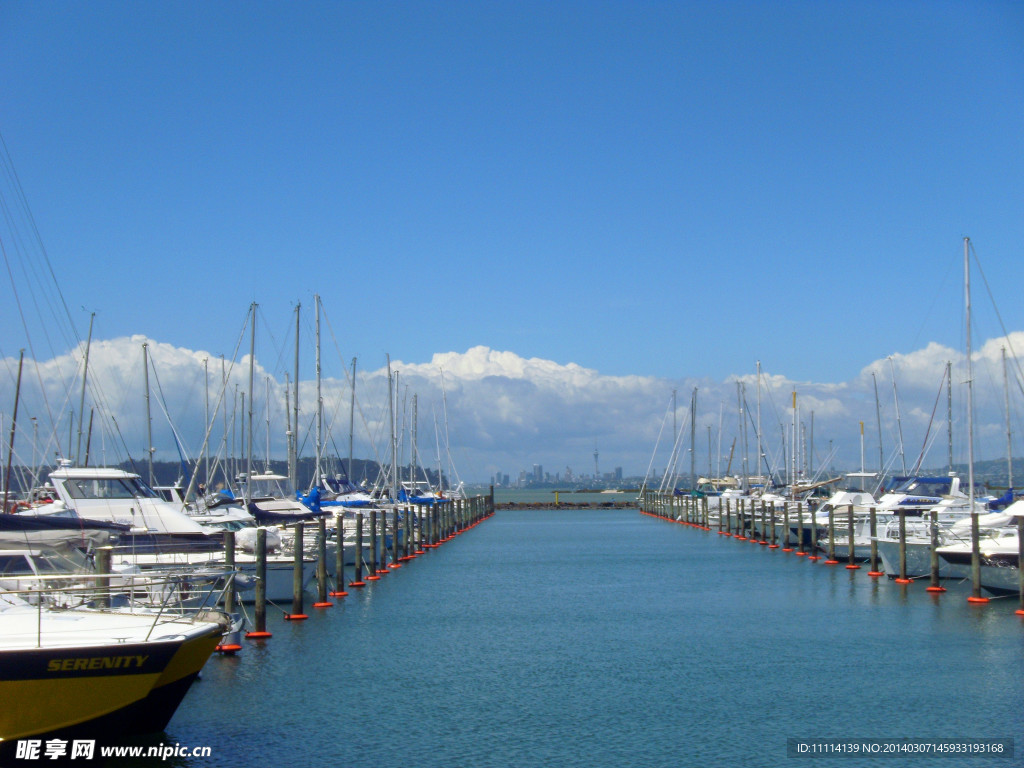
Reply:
x=498 y=412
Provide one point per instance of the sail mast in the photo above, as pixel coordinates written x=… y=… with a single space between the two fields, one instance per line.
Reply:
x=318 y=474
x=81 y=400
x=248 y=437
x=14 y=423
x=149 y=417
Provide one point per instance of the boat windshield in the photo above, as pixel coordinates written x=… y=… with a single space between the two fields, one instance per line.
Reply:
x=271 y=487
x=109 y=488
x=926 y=486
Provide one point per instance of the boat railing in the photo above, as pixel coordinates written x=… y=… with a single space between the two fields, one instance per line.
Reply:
x=159 y=596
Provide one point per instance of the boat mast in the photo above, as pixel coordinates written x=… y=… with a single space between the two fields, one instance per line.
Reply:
x=949 y=410
x=878 y=420
x=351 y=418
x=10 y=444
x=693 y=440
x=293 y=449
x=288 y=433
x=317 y=472
x=899 y=423
x=970 y=378
x=248 y=437
x=149 y=417
x=394 y=440
x=206 y=402
x=760 y=456
x=267 y=397
x=1009 y=444
x=975 y=545
x=412 y=448
x=81 y=400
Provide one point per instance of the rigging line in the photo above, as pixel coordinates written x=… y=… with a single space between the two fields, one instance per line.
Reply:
x=162 y=402
x=359 y=404
x=657 y=442
x=1002 y=325
x=920 y=457
x=31 y=347
x=20 y=192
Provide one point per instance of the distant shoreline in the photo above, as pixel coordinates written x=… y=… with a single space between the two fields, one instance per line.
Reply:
x=566 y=505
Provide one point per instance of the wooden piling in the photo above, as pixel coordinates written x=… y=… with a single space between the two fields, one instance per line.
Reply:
x=394 y=540
x=800 y=529
x=831 y=536
x=339 y=560
x=358 y=568
x=933 y=527
x=298 y=558
x=851 y=560
x=371 y=567
x=814 y=538
x=902 y=578
x=873 y=533
x=104 y=556
x=786 y=543
x=1020 y=563
x=229 y=567
x=382 y=563
x=321 y=564
x=260 y=608
x=976 y=596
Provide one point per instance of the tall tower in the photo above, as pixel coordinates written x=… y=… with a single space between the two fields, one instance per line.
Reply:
x=597 y=473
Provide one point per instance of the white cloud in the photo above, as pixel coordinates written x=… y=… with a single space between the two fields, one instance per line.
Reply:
x=506 y=412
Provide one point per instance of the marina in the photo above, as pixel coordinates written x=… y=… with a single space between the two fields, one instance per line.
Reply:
x=544 y=639
x=340 y=424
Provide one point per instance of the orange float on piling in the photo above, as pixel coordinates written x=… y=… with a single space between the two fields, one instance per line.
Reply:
x=323 y=605
x=904 y=581
x=295 y=617
x=228 y=649
x=876 y=574
x=258 y=635
x=357 y=584
x=935 y=589
x=853 y=567
x=977 y=600
x=337 y=594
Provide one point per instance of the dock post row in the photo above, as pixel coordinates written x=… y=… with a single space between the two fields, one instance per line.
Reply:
x=745 y=524
x=418 y=529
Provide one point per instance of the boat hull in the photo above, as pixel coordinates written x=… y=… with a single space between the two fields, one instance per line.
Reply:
x=98 y=691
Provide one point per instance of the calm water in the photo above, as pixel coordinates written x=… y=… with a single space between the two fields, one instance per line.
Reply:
x=609 y=638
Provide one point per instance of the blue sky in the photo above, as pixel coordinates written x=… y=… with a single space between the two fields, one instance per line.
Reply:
x=652 y=189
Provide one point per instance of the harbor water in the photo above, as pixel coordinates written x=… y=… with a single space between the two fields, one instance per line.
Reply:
x=609 y=638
